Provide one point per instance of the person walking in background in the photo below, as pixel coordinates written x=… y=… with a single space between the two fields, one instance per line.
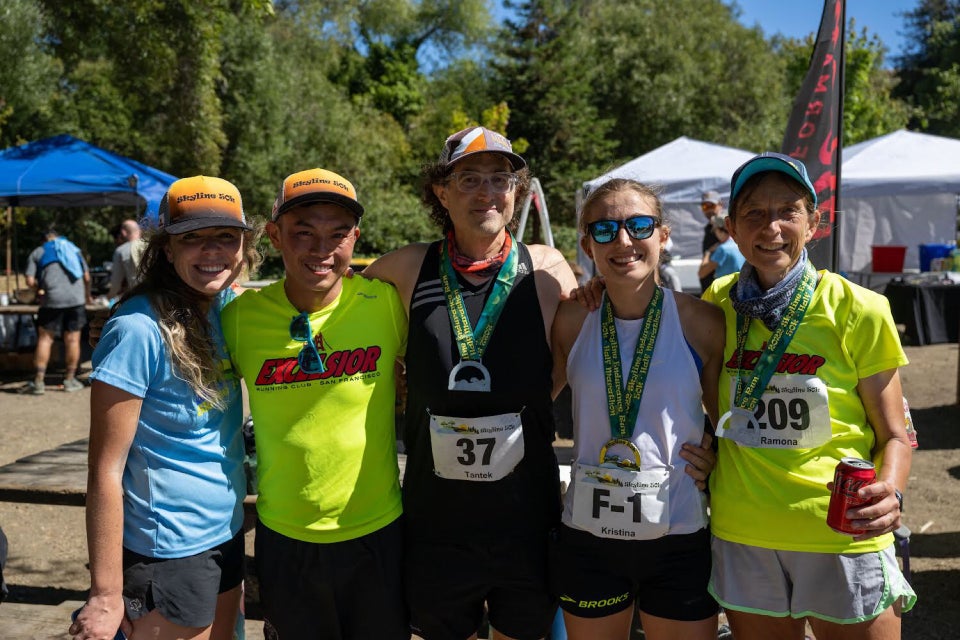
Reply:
x=725 y=257
x=810 y=377
x=317 y=352
x=59 y=274
x=481 y=490
x=710 y=205
x=642 y=369
x=126 y=259
x=166 y=480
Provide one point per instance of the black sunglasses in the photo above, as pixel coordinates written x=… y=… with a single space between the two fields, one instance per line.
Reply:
x=309 y=358
x=638 y=227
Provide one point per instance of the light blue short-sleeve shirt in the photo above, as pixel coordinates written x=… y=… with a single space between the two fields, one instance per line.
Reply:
x=728 y=258
x=184 y=481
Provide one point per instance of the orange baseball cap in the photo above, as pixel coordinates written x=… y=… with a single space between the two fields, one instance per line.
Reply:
x=316 y=185
x=201 y=202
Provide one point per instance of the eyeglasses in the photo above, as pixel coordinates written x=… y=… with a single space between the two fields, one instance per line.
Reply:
x=638 y=228
x=309 y=358
x=470 y=181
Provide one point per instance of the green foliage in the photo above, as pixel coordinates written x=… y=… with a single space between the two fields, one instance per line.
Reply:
x=28 y=75
x=393 y=219
x=548 y=83
x=253 y=90
x=662 y=69
x=930 y=70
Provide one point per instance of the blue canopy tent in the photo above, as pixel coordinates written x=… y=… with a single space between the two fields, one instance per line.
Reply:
x=63 y=171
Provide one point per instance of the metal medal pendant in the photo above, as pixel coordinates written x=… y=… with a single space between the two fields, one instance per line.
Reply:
x=739 y=419
x=469 y=375
x=615 y=460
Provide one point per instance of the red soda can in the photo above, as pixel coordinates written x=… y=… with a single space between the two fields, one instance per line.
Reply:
x=850 y=475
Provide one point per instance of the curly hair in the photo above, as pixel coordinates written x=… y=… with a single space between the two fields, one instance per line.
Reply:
x=182 y=311
x=439 y=173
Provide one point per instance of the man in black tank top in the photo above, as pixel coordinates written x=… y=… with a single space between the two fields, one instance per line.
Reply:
x=481 y=488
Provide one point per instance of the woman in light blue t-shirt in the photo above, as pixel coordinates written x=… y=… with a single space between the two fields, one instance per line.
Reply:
x=166 y=483
x=725 y=257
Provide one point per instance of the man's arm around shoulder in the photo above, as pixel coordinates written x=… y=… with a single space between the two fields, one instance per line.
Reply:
x=399 y=268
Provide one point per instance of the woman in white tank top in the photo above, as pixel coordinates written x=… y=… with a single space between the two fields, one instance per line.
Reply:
x=643 y=369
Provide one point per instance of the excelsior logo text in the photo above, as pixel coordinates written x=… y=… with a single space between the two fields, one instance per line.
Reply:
x=338 y=363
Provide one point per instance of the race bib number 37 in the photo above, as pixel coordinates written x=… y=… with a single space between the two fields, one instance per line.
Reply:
x=481 y=449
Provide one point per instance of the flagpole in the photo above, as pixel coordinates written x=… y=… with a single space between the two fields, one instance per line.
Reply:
x=814 y=127
x=837 y=209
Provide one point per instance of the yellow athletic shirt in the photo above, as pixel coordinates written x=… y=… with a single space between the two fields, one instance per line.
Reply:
x=778 y=498
x=326 y=443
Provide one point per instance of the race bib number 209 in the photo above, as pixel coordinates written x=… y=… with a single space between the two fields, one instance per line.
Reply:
x=793 y=413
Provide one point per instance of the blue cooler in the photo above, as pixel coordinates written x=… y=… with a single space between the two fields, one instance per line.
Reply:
x=930 y=252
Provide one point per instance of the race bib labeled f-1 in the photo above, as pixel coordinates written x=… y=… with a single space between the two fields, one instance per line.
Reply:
x=624 y=504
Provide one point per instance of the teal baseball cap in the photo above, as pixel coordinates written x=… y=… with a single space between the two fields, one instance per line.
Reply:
x=771 y=161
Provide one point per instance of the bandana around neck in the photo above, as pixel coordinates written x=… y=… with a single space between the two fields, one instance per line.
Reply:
x=483 y=267
x=750 y=300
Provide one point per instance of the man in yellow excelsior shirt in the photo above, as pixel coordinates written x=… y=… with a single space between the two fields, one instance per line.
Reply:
x=317 y=352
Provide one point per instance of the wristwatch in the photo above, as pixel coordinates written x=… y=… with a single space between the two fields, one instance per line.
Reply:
x=899 y=495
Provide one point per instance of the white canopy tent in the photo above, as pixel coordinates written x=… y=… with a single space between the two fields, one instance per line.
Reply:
x=682 y=170
x=899 y=189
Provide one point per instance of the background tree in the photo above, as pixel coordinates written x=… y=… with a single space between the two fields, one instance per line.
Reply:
x=930 y=69
x=253 y=90
x=546 y=73
x=683 y=67
x=28 y=75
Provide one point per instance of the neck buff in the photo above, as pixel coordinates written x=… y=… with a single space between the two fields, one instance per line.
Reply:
x=767 y=306
x=484 y=267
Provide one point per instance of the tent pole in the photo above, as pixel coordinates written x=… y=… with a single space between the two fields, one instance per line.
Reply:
x=9 y=271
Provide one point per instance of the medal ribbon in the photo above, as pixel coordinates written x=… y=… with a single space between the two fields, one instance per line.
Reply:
x=748 y=396
x=473 y=342
x=623 y=402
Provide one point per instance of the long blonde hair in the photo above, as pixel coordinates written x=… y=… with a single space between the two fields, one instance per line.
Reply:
x=182 y=312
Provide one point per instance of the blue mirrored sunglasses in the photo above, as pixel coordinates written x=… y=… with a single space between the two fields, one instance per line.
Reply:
x=309 y=358
x=638 y=227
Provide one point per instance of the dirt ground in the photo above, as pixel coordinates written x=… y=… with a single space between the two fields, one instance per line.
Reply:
x=48 y=548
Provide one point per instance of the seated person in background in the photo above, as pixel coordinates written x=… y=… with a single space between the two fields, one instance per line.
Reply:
x=725 y=258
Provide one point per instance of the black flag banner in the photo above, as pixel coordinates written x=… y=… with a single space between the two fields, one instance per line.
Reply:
x=815 y=130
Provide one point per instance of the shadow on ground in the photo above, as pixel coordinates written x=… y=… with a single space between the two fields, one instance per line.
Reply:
x=937 y=427
x=43 y=595
x=934 y=589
